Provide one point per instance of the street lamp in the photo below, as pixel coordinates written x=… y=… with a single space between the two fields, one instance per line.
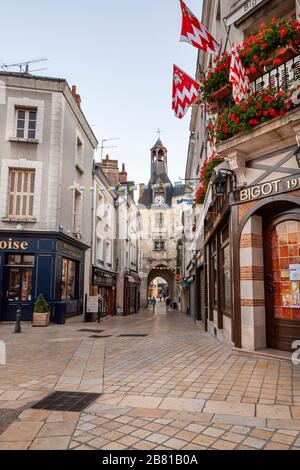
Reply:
x=220 y=178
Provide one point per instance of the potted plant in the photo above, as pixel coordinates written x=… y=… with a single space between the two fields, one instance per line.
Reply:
x=41 y=314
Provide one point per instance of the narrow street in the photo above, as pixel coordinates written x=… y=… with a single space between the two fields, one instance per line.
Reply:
x=173 y=387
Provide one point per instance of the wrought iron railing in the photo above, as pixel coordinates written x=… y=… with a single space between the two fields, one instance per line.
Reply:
x=279 y=79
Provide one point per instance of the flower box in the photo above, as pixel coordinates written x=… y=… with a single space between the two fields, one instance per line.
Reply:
x=255 y=71
x=40 y=319
x=285 y=53
x=226 y=90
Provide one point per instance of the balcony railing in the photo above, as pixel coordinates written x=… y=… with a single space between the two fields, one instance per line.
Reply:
x=279 y=79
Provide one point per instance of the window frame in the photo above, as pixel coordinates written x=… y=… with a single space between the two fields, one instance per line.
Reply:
x=27 y=119
x=64 y=296
x=14 y=194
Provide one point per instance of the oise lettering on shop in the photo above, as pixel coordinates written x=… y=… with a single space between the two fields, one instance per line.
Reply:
x=11 y=244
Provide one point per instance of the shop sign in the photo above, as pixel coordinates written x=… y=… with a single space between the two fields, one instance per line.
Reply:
x=69 y=250
x=92 y=304
x=12 y=244
x=243 y=11
x=268 y=189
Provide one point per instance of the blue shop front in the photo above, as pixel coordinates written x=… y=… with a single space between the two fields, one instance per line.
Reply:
x=33 y=263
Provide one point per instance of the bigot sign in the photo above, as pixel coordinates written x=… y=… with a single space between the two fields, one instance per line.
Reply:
x=268 y=189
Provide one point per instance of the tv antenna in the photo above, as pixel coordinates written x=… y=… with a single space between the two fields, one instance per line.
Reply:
x=24 y=67
x=103 y=146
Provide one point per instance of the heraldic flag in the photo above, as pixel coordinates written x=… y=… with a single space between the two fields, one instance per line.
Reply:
x=185 y=92
x=193 y=32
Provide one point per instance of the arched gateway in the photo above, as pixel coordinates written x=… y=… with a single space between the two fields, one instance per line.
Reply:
x=162 y=225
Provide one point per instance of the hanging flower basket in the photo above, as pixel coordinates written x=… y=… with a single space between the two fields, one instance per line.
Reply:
x=224 y=91
x=286 y=53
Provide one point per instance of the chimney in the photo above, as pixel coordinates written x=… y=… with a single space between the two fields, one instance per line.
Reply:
x=123 y=175
x=76 y=95
x=111 y=170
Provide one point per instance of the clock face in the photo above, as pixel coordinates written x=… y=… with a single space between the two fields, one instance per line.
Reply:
x=159 y=201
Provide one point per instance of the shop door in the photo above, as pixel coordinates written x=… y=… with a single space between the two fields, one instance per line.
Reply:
x=18 y=284
x=282 y=283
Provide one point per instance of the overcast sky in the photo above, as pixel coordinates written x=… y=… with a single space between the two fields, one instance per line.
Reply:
x=120 y=54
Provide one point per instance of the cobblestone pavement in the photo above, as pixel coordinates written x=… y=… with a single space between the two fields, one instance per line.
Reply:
x=176 y=388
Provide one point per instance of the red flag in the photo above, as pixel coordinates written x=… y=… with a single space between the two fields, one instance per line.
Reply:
x=193 y=32
x=238 y=77
x=185 y=92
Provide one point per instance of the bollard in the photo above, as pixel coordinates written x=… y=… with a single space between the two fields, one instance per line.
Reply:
x=18 y=321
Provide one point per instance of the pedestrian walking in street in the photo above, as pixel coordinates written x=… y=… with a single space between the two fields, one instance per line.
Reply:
x=153 y=303
x=168 y=303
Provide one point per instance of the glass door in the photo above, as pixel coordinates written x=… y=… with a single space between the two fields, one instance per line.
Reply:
x=18 y=285
x=282 y=284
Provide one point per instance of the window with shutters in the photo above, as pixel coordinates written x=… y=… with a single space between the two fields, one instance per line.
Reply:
x=21 y=193
x=26 y=123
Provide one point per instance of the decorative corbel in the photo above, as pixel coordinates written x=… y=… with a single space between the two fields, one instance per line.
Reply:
x=296 y=129
x=237 y=163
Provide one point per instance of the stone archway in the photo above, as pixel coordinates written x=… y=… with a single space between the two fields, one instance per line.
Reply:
x=162 y=271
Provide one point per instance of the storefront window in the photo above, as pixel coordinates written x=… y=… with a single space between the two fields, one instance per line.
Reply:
x=285 y=240
x=214 y=274
x=226 y=277
x=19 y=275
x=226 y=303
x=20 y=260
x=68 y=282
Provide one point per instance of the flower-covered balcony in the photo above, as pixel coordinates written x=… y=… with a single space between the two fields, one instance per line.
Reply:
x=268 y=118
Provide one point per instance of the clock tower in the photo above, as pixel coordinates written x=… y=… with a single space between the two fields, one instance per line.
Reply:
x=159 y=191
x=161 y=216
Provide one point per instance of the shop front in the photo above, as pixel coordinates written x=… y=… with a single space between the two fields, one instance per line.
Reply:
x=32 y=264
x=267 y=247
x=132 y=293
x=252 y=266
x=104 y=286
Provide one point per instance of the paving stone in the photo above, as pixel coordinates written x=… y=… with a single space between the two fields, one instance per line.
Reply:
x=261 y=434
x=57 y=429
x=21 y=431
x=204 y=440
x=295 y=412
x=50 y=443
x=34 y=415
x=276 y=446
x=175 y=444
x=226 y=408
x=182 y=404
x=283 y=438
x=239 y=420
x=15 y=445
x=254 y=442
x=141 y=401
x=273 y=411
x=98 y=442
x=223 y=445
x=195 y=428
x=157 y=438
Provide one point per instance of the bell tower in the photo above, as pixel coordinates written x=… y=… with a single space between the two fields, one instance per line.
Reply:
x=159 y=159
